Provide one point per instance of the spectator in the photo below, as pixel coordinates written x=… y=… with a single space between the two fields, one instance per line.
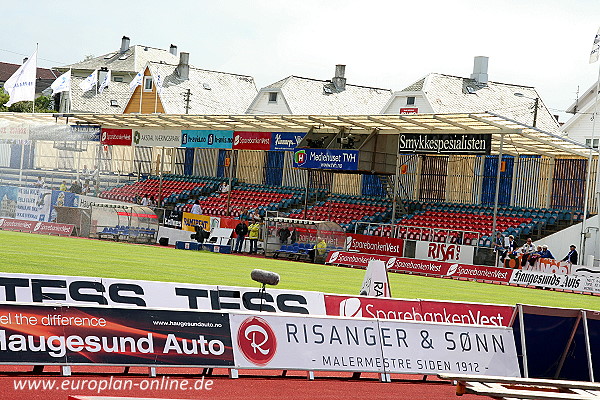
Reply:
x=63 y=186
x=196 y=208
x=546 y=253
x=526 y=251
x=244 y=215
x=253 y=233
x=241 y=231
x=223 y=187
x=500 y=246
x=152 y=202
x=145 y=200
x=93 y=175
x=40 y=182
x=85 y=171
x=86 y=187
x=571 y=257
x=283 y=234
x=319 y=249
x=256 y=215
x=75 y=187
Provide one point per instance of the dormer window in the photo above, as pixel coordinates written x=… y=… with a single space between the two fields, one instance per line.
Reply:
x=147 y=84
x=272 y=97
x=410 y=101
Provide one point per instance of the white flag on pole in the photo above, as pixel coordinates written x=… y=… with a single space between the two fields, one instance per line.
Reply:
x=89 y=82
x=21 y=85
x=595 y=48
x=137 y=81
x=62 y=83
x=105 y=82
x=159 y=83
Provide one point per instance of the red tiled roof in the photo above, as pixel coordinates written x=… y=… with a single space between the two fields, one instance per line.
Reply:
x=6 y=70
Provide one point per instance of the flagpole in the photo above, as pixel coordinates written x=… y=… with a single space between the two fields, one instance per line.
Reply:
x=35 y=78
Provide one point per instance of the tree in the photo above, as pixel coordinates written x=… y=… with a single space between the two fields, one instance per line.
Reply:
x=42 y=105
x=3 y=99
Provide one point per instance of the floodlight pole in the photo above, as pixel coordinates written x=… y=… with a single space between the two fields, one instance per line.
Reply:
x=496 y=195
x=588 y=178
x=395 y=193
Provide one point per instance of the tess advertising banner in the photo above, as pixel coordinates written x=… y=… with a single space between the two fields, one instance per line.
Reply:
x=374 y=245
x=326 y=159
x=157 y=138
x=444 y=252
x=286 y=141
x=418 y=310
x=89 y=291
x=328 y=344
x=411 y=265
x=252 y=140
x=44 y=334
x=466 y=143
x=207 y=139
x=116 y=137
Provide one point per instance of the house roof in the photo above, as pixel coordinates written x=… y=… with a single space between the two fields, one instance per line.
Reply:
x=92 y=102
x=212 y=92
x=308 y=96
x=453 y=94
x=6 y=70
x=132 y=60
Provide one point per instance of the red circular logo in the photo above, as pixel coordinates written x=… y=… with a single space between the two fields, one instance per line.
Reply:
x=257 y=340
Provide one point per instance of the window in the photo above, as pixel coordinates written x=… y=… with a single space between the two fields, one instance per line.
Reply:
x=588 y=142
x=117 y=79
x=272 y=97
x=147 y=84
x=410 y=101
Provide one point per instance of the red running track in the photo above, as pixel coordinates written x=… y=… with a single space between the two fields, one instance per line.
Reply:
x=177 y=383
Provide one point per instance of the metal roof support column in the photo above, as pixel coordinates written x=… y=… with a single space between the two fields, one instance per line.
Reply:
x=588 y=350
x=162 y=167
x=395 y=196
x=231 y=158
x=496 y=195
x=523 y=344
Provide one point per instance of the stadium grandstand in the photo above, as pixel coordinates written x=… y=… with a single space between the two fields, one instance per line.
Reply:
x=539 y=185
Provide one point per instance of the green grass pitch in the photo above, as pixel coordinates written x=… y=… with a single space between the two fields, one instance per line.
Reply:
x=31 y=253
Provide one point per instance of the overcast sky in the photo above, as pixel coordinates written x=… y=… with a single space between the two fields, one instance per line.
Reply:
x=387 y=44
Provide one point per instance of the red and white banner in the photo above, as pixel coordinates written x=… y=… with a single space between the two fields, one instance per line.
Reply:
x=116 y=137
x=251 y=140
x=44 y=228
x=273 y=341
x=444 y=252
x=418 y=310
x=374 y=245
x=399 y=264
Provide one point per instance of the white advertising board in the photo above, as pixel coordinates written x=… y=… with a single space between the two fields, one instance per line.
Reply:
x=136 y=293
x=337 y=344
x=446 y=252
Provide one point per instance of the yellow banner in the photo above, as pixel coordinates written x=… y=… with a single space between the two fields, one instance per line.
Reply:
x=190 y=220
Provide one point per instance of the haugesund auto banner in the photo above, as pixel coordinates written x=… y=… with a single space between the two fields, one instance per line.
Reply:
x=335 y=344
x=81 y=290
x=45 y=334
x=576 y=283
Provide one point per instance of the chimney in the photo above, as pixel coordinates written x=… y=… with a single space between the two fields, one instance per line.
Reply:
x=124 y=44
x=25 y=60
x=480 y=70
x=183 y=69
x=173 y=49
x=338 y=80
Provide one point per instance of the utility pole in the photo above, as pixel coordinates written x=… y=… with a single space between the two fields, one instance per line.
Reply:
x=187 y=97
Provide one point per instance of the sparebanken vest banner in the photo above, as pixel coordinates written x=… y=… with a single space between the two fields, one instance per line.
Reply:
x=334 y=344
x=436 y=268
x=46 y=334
x=374 y=245
x=419 y=310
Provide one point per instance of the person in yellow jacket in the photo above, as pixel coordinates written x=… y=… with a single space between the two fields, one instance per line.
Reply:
x=253 y=233
x=319 y=249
